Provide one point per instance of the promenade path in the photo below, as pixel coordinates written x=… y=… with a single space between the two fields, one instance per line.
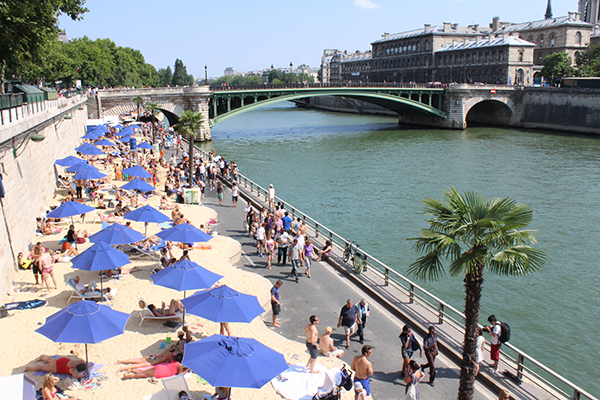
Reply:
x=323 y=295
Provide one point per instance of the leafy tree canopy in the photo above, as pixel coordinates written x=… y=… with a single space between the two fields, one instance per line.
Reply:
x=588 y=62
x=556 y=66
x=275 y=74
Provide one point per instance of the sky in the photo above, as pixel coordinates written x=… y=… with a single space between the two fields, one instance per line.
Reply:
x=253 y=35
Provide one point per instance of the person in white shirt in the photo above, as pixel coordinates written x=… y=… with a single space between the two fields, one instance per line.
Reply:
x=271 y=197
x=495 y=330
x=260 y=239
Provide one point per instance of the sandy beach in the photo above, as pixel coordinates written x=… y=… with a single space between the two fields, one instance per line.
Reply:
x=138 y=340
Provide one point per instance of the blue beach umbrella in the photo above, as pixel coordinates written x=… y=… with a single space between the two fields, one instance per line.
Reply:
x=184 y=233
x=69 y=161
x=185 y=275
x=223 y=304
x=92 y=135
x=99 y=128
x=87 y=174
x=104 y=142
x=80 y=167
x=125 y=139
x=117 y=234
x=137 y=171
x=233 y=361
x=118 y=126
x=69 y=209
x=89 y=149
x=84 y=322
x=146 y=214
x=138 y=184
x=127 y=131
x=144 y=145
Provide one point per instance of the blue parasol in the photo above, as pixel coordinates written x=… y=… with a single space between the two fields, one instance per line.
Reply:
x=89 y=149
x=137 y=171
x=68 y=161
x=69 y=209
x=138 y=184
x=223 y=304
x=87 y=174
x=184 y=233
x=104 y=142
x=144 y=145
x=185 y=275
x=233 y=361
x=80 y=167
x=117 y=234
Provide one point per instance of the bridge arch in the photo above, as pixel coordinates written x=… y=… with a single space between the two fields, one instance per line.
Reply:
x=171 y=111
x=417 y=101
x=489 y=112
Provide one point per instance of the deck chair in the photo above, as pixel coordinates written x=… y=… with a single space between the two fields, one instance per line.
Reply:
x=153 y=253
x=78 y=295
x=97 y=217
x=171 y=388
x=145 y=313
x=62 y=185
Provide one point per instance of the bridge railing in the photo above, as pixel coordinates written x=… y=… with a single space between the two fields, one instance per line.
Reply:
x=526 y=366
x=328 y=85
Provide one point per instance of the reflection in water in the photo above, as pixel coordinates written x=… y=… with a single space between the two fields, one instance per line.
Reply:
x=365 y=178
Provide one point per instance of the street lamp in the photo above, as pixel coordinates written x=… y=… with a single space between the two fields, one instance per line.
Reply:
x=205 y=75
x=32 y=135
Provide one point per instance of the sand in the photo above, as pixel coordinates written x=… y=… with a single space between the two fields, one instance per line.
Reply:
x=138 y=340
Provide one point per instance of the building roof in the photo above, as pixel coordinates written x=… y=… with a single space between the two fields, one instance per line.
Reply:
x=542 y=23
x=493 y=42
x=367 y=55
x=435 y=29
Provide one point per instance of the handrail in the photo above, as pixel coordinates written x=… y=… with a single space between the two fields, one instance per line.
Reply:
x=441 y=311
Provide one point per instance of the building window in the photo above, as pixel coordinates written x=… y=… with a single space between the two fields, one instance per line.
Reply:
x=552 y=40
x=541 y=40
x=418 y=47
x=427 y=45
x=521 y=56
x=578 y=38
x=530 y=39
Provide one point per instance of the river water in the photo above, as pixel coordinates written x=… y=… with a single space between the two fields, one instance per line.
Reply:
x=365 y=178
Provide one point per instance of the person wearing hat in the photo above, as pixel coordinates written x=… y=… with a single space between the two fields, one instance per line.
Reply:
x=359 y=391
x=327 y=347
x=271 y=197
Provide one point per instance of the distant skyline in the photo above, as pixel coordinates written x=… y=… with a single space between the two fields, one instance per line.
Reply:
x=253 y=35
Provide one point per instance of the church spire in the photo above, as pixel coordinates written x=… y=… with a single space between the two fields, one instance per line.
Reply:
x=548 y=11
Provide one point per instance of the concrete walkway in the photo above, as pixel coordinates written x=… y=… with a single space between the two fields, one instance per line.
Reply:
x=323 y=295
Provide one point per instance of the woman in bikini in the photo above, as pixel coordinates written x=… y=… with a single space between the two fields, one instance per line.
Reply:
x=158 y=371
x=49 y=391
x=174 y=307
x=270 y=246
x=76 y=367
x=148 y=361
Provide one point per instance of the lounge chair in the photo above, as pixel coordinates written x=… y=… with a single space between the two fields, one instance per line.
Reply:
x=171 y=388
x=153 y=253
x=87 y=296
x=145 y=313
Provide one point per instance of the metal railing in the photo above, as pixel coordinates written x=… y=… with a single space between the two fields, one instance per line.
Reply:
x=416 y=294
x=382 y=85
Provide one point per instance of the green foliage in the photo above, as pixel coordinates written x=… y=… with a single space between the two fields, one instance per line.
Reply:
x=180 y=74
x=276 y=82
x=303 y=76
x=165 y=76
x=290 y=77
x=556 y=66
x=588 y=62
x=27 y=27
x=237 y=80
x=224 y=79
x=189 y=123
x=253 y=80
x=320 y=75
x=275 y=74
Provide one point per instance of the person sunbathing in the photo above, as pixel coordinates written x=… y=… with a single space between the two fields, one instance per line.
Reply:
x=148 y=361
x=48 y=228
x=65 y=256
x=63 y=365
x=174 y=307
x=49 y=391
x=165 y=205
x=148 y=243
x=158 y=371
x=24 y=263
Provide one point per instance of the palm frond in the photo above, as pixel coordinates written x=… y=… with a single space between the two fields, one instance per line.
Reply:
x=517 y=261
x=427 y=267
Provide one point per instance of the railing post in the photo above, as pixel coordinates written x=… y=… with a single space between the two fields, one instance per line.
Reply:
x=520 y=361
x=316 y=230
x=576 y=395
x=266 y=196
x=331 y=237
x=386 y=278
x=411 y=294
x=441 y=314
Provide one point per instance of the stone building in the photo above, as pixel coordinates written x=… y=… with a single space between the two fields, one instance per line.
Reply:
x=503 y=60
x=590 y=11
x=357 y=67
x=326 y=64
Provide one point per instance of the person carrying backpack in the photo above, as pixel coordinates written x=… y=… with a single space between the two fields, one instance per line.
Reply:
x=500 y=332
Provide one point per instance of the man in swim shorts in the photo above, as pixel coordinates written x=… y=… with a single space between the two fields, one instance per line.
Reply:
x=312 y=336
x=363 y=369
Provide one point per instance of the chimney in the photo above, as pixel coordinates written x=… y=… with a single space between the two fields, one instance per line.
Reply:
x=385 y=35
x=454 y=26
x=495 y=23
x=476 y=27
x=427 y=26
x=447 y=26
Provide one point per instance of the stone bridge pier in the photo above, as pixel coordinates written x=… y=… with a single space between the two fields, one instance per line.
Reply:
x=468 y=104
x=171 y=101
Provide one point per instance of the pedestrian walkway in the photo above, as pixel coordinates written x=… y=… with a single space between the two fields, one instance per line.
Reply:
x=324 y=295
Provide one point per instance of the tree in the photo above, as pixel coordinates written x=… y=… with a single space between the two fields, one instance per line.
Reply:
x=27 y=26
x=139 y=102
x=153 y=110
x=588 y=62
x=180 y=74
x=253 y=80
x=165 y=76
x=275 y=74
x=189 y=123
x=556 y=66
x=290 y=77
x=475 y=235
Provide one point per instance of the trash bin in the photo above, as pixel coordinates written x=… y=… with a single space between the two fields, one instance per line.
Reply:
x=192 y=196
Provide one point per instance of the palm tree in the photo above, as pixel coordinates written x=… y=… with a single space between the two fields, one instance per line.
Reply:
x=189 y=123
x=140 y=102
x=475 y=234
x=153 y=110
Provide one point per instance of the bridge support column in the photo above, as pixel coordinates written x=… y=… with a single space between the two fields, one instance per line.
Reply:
x=197 y=99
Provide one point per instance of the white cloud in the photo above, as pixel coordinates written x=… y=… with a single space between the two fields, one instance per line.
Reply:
x=367 y=4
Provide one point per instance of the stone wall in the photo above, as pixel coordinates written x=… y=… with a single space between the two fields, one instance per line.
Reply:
x=30 y=179
x=572 y=110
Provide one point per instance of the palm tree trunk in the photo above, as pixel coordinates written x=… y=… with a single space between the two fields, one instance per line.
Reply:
x=473 y=285
x=2 y=72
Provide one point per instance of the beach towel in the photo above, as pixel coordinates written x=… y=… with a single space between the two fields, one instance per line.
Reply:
x=93 y=368
x=26 y=305
x=298 y=383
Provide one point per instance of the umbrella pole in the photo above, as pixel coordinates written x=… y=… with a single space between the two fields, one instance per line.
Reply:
x=101 y=289
x=183 y=322
x=87 y=369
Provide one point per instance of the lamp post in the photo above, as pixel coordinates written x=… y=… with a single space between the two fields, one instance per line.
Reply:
x=32 y=135
x=291 y=69
x=205 y=75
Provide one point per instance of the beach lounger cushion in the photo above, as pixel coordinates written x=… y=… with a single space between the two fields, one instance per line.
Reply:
x=145 y=313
